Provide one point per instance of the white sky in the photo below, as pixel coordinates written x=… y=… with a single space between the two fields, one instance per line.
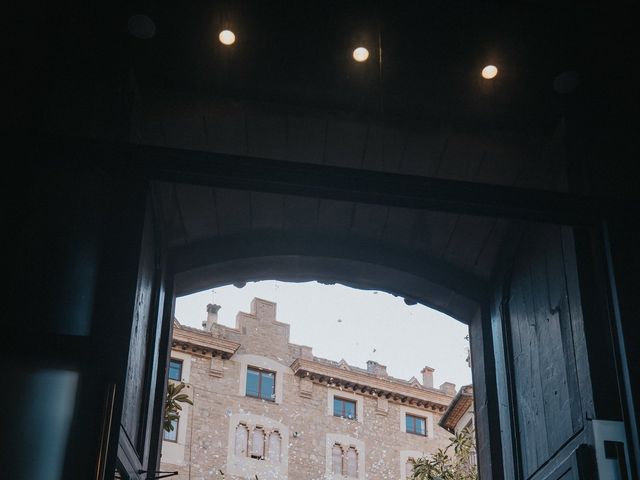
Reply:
x=374 y=326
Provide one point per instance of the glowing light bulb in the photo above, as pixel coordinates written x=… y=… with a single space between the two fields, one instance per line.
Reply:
x=489 y=72
x=227 y=37
x=360 y=54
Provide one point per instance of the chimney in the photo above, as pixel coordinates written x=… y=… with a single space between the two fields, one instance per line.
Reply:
x=448 y=388
x=212 y=316
x=377 y=369
x=427 y=377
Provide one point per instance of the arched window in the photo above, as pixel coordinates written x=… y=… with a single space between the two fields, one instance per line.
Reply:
x=352 y=463
x=257 y=443
x=242 y=438
x=409 y=468
x=274 y=446
x=336 y=459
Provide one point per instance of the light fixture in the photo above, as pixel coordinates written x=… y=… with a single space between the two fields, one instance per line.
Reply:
x=489 y=72
x=141 y=26
x=566 y=82
x=227 y=37
x=360 y=54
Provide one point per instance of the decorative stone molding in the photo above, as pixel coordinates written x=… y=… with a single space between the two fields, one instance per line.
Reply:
x=345 y=442
x=268 y=468
x=382 y=406
x=217 y=367
x=199 y=342
x=306 y=388
x=427 y=398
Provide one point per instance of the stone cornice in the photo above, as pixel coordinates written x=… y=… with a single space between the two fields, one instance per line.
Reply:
x=430 y=399
x=458 y=407
x=203 y=343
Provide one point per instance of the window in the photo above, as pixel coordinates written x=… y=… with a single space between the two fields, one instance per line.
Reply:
x=409 y=468
x=344 y=408
x=352 y=462
x=257 y=444
x=172 y=436
x=344 y=461
x=416 y=425
x=261 y=384
x=242 y=440
x=336 y=459
x=274 y=446
x=175 y=370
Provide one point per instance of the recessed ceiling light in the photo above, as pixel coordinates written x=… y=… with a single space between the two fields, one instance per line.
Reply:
x=360 y=54
x=141 y=26
x=227 y=37
x=566 y=82
x=489 y=72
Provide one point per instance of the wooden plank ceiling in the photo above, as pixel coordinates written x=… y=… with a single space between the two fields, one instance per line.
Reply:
x=465 y=243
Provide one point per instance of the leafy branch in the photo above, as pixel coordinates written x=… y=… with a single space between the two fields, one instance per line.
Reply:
x=172 y=403
x=455 y=462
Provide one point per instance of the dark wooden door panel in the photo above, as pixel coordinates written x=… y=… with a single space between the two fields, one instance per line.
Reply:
x=145 y=371
x=135 y=382
x=578 y=465
x=539 y=313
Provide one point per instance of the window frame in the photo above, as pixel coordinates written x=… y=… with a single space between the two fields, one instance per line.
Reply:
x=260 y=372
x=179 y=361
x=414 y=418
x=344 y=401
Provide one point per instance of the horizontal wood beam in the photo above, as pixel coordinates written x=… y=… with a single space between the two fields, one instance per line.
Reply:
x=322 y=181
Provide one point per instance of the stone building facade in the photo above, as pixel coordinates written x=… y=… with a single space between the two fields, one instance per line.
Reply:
x=269 y=409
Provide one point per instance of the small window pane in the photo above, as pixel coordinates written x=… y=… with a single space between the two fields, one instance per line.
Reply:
x=267 y=391
x=172 y=436
x=175 y=370
x=349 y=410
x=344 y=408
x=416 y=425
x=337 y=407
x=253 y=381
x=409 y=423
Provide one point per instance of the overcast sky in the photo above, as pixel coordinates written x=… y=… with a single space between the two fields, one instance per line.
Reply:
x=357 y=325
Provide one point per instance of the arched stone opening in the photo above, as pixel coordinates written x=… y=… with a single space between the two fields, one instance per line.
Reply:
x=363 y=266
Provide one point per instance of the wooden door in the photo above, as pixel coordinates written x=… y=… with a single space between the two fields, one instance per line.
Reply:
x=142 y=386
x=544 y=375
